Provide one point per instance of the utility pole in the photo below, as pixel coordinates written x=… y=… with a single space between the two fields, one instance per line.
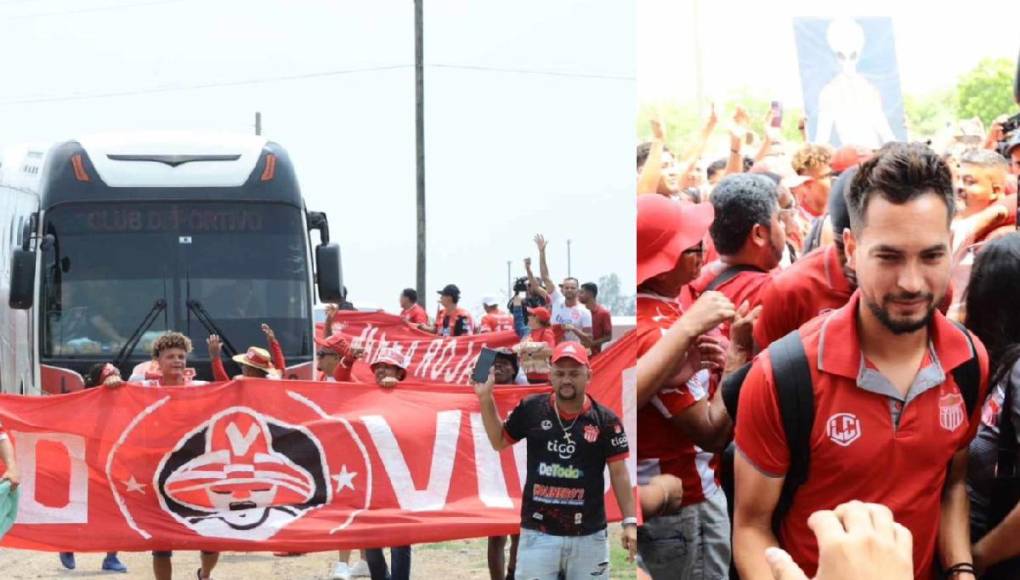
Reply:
x=568 y=259
x=258 y=123
x=419 y=138
x=509 y=294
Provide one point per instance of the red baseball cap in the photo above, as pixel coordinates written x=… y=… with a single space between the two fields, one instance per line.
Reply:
x=541 y=313
x=847 y=156
x=572 y=350
x=335 y=343
x=665 y=228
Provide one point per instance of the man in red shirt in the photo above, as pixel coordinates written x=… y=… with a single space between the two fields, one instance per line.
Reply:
x=749 y=236
x=890 y=424
x=494 y=319
x=601 y=318
x=678 y=427
x=410 y=311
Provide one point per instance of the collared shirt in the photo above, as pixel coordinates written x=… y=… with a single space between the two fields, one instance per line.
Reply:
x=661 y=447
x=813 y=285
x=868 y=441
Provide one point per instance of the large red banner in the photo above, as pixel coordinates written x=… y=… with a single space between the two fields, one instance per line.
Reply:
x=431 y=358
x=274 y=465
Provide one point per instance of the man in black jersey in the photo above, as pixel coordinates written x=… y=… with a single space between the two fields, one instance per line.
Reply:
x=571 y=438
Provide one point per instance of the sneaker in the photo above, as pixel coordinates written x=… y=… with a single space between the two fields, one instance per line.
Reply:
x=198 y=574
x=341 y=571
x=113 y=564
x=360 y=570
x=67 y=559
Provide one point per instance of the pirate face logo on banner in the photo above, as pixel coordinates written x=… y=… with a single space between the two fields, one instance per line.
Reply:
x=244 y=474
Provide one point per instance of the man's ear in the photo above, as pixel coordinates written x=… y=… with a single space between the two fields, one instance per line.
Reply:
x=759 y=235
x=850 y=244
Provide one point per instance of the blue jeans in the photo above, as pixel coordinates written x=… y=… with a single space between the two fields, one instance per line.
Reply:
x=520 y=321
x=545 y=557
x=400 y=557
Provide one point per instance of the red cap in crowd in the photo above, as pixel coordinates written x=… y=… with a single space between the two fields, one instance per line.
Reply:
x=335 y=343
x=541 y=313
x=665 y=228
x=847 y=156
x=572 y=350
x=392 y=357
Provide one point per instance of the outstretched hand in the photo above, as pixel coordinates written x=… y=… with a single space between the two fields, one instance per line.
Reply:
x=540 y=242
x=215 y=345
x=485 y=389
x=270 y=335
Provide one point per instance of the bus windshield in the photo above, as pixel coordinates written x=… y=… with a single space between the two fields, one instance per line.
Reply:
x=244 y=263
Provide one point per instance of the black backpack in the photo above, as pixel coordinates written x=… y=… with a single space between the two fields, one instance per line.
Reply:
x=791 y=375
x=729 y=274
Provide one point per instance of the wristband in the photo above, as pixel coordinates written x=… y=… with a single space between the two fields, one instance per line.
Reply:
x=631 y=521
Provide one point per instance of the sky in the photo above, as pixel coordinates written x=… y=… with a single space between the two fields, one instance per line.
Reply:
x=529 y=117
x=746 y=43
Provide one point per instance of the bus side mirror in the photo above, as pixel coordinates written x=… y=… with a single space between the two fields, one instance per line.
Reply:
x=22 y=280
x=329 y=277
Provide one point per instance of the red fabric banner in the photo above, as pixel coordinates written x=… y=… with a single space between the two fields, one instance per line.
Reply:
x=431 y=358
x=255 y=465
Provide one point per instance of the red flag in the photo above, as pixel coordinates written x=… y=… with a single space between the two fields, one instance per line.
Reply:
x=270 y=465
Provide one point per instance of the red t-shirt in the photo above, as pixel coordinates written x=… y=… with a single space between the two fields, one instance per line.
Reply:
x=662 y=447
x=601 y=325
x=813 y=285
x=858 y=450
x=497 y=322
x=415 y=315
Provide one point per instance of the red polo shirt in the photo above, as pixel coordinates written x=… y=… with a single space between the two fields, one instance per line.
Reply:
x=662 y=447
x=601 y=325
x=867 y=442
x=813 y=285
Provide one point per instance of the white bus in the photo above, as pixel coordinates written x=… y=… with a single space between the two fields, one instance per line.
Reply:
x=112 y=240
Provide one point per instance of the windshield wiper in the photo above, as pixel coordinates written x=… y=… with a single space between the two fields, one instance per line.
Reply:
x=203 y=316
x=129 y=346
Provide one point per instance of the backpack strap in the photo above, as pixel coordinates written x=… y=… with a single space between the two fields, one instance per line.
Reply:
x=968 y=375
x=729 y=274
x=730 y=386
x=791 y=375
x=814 y=237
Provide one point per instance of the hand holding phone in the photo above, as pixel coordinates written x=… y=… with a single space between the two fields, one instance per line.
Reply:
x=483 y=365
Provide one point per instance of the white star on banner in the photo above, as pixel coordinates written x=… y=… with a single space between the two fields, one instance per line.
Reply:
x=344 y=479
x=133 y=485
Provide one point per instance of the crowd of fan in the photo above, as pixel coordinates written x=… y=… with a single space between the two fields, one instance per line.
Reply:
x=877 y=259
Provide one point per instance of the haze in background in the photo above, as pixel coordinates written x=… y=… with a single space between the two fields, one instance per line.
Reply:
x=529 y=117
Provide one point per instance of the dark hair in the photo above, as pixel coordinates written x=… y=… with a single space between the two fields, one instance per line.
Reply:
x=715 y=167
x=576 y=281
x=92 y=375
x=992 y=314
x=411 y=294
x=590 y=288
x=748 y=163
x=642 y=153
x=741 y=201
x=899 y=173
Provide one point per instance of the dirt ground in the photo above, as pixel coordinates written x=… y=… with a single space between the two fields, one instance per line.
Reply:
x=461 y=559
